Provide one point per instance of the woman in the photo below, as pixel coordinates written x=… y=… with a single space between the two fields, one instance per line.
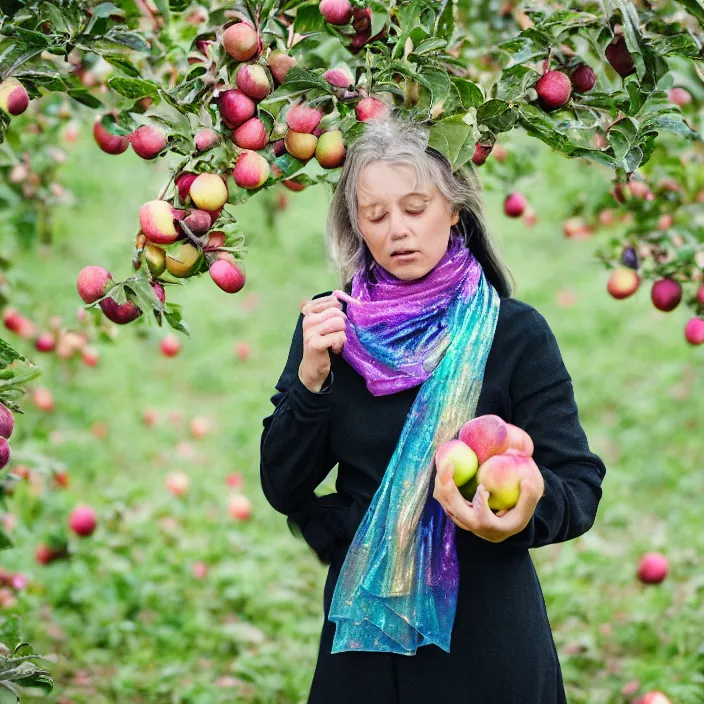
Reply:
x=424 y=336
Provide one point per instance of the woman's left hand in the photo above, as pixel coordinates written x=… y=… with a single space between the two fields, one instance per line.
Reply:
x=476 y=516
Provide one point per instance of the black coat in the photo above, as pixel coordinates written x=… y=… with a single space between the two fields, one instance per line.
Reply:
x=502 y=650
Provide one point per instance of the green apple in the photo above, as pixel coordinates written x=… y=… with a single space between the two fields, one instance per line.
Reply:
x=460 y=457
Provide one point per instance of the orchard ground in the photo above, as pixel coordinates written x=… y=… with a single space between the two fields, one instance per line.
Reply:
x=134 y=617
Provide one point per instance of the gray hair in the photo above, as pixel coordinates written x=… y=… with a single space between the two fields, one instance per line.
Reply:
x=401 y=142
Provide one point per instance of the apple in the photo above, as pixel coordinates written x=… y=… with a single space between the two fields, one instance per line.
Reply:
x=184 y=261
x=330 y=149
x=554 y=89
x=371 y=109
x=92 y=283
x=208 y=192
x=229 y=276
x=460 y=458
x=241 y=41
x=253 y=81
x=653 y=568
x=339 y=77
x=156 y=218
x=623 y=282
x=235 y=107
x=280 y=64
x=90 y=356
x=514 y=205
x=243 y=350
x=487 y=435
x=43 y=399
x=108 y=142
x=666 y=294
x=148 y=141
x=177 y=483
x=200 y=426
x=239 y=507
x=14 y=99
x=303 y=118
x=82 y=521
x=300 y=144
x=251 y=170
x=694 y=331
x=338 y=12
x=501 y=476
x=170 y=346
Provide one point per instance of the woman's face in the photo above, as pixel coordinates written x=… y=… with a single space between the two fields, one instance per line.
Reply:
x=393 y=216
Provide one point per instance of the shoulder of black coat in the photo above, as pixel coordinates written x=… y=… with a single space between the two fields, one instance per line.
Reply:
x=519 y=315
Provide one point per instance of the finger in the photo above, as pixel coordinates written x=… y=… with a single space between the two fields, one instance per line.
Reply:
x=313 y=319
x=501 y=512
x=318 y=304
x=340 y=340
x=484 y=514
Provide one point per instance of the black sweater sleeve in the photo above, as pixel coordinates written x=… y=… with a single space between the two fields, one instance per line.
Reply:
x=294 y=450
x=543 y=404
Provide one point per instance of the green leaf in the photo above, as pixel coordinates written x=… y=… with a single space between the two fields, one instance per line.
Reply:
x=163 y=7
x=453 y=138
x=470 y=94
x=694 y=7
x=11 y=631
x=445 y=25
x=105 y=9
x=437 y=81
x=679 y=44
x=491 y=109
x=27 y=38
x=513 y=82
x=428 y=45
x=308 y=19
x=5 y=541
x=82 y=96
x=172 y=313
x=380 y=16
x=125 y=65
x=528 y=45
x=670 y=122
x=131 y=39
x=134 y=88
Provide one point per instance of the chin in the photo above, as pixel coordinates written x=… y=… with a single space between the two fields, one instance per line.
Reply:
x=409 y=273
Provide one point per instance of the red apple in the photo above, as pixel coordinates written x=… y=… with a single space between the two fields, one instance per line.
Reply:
x=82 y=521
x=623 y=282
x=653 y=568
x=239 y=507
x=170 y=346
x=666 y=294
x=515 y=204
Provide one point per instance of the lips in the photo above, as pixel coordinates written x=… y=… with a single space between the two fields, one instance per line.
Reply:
x=404 y=251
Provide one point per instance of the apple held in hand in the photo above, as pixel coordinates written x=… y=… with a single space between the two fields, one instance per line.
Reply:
x=461 y=457
x=502 y=475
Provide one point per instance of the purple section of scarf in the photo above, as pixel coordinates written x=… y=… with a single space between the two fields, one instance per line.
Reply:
x=385 y=314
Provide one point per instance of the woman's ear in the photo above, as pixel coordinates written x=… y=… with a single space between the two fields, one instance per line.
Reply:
x=455 y=218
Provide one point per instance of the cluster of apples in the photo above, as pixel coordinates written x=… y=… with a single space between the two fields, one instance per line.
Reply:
x=238 y=504
x=66 y=344
x=189 y=230
x=491 y=452
x=665 y=294
x=94 y=282
x=82 y=521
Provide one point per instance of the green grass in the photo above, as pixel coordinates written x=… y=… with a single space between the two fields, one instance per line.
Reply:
x=125 y=619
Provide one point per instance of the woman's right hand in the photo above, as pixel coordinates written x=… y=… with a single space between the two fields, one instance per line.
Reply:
x=323 y=328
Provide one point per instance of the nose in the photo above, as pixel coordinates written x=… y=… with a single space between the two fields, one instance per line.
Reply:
x=398 y=225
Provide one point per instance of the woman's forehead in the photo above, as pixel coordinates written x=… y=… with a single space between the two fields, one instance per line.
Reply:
x=385 y=181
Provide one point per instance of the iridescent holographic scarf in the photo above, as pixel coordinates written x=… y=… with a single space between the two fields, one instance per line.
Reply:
x=398 y=585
